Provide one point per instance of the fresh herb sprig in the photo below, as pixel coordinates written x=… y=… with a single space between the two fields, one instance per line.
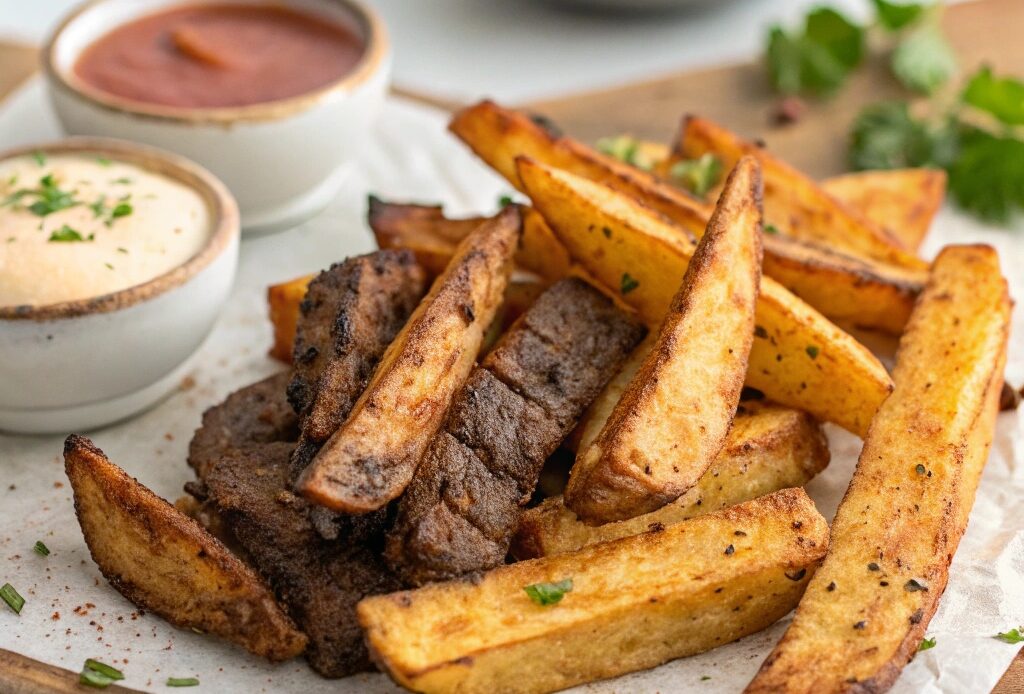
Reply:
x=545 y=594
x=12 y=597
x=99 y=675
x=978 y=141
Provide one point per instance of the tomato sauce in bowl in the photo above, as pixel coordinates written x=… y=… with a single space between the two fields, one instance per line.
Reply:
x=220 y=56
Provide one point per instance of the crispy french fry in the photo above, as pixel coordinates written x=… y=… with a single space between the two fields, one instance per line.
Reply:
x=900 y=522
x=433 y=237
x=672 y=419
x=498 y=135
x=798 y=358
x=793 y=203
x=283 y=301
x=904 y=201
x=633 y=604
x=859 y=293
x=768 y=448
x=166 y=563
x=372 y=456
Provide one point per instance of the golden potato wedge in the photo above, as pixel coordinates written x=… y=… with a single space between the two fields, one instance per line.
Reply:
x=433 y=237
x=798 y=357
x=793 y=203
x=898 y=526
x=164 y=562
x=768 y=448
x=371 y=458
x=498 y=135
x=283 y=301
x=634 y=603
x=853 y=292
x=672 y=419
x=423 y=229
x=904 y=201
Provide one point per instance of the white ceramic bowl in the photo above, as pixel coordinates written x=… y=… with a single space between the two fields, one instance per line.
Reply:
x=284 y=160
x=81 y=364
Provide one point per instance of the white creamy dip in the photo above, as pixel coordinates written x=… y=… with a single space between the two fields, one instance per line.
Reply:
x=76 y=226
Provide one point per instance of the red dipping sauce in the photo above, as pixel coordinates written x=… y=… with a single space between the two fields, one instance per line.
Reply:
x=214 y=56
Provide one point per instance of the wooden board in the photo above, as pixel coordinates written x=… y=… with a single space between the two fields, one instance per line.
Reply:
x=986 y=31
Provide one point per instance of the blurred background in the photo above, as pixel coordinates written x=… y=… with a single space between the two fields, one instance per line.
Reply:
x=527 y=50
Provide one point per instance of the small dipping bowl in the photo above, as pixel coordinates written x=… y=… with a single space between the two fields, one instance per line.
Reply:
x=284 y=160
x=82 y=364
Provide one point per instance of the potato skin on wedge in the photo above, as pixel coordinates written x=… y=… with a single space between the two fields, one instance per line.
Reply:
x=798 y=357
x=794 y=203
x=164 y=562
x=371 y=458
x=635 y=603
x=899 y=524
x=673 y=418
x=768 y=448
x=904 y=201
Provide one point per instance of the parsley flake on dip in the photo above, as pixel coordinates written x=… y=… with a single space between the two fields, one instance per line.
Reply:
x=77 y=226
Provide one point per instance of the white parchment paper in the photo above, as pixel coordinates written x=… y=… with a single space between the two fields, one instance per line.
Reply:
x=71 y=613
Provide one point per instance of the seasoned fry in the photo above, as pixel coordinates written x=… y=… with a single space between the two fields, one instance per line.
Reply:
x=896 y=531
x=793 y=203
x=672 y=420
x=165 y=562
x=498 y=135
x=433 y=237
x=860 y=293
x=633 y=604
x=371 y=458
x=904 y=201
x=798 y=357
x=283 y=301
x=768 y=448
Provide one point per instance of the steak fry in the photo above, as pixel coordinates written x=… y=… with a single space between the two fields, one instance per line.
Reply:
x=350 y=315
x=320 y=581
x=463 y=505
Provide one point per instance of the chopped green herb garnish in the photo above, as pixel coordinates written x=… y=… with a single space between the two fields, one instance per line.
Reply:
x=812 y=351
x=41 y=549
x=182 y=682
x=123 y=209
x=39 y=157
x=104 y=669
x=628 y=283
x=549 y=593
x=49 y=197
x=9 y=595
x=122 y=250
x=705 y=678
x=771 y=229
x=1011 y=636
x=926 y=643
x=109 y=266
x=622 y=147
x=99 y=207
x=504 y=201
x=818 y=59
x=13 y=180
x=123 y=181
x=68 y=235
x=697 y=175
x=103 y=161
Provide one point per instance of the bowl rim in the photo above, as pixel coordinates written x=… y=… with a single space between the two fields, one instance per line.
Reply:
x=225 y=225
x=370 y=64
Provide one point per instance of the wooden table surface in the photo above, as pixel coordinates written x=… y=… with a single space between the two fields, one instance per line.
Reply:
x=987 y=31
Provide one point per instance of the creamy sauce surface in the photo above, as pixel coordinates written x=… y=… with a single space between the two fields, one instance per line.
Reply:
x=78 y=226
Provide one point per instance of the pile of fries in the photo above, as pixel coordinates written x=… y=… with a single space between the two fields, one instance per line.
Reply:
x=682 y=525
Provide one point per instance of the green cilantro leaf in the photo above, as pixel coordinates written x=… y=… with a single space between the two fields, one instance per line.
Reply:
x=886 y=136
x=628 y=283
x=894 y=16
x=843 y=39
x=182 y=682
x=1003 y=98
x=987 y=178
x=622 y=147
x=549 y=593
x=926 y=644
x=1011 y=636
x=697 y=175
x=818 y=60
x=39 y=157
x=41 y=549
x=924 y=60
x=68 y=235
